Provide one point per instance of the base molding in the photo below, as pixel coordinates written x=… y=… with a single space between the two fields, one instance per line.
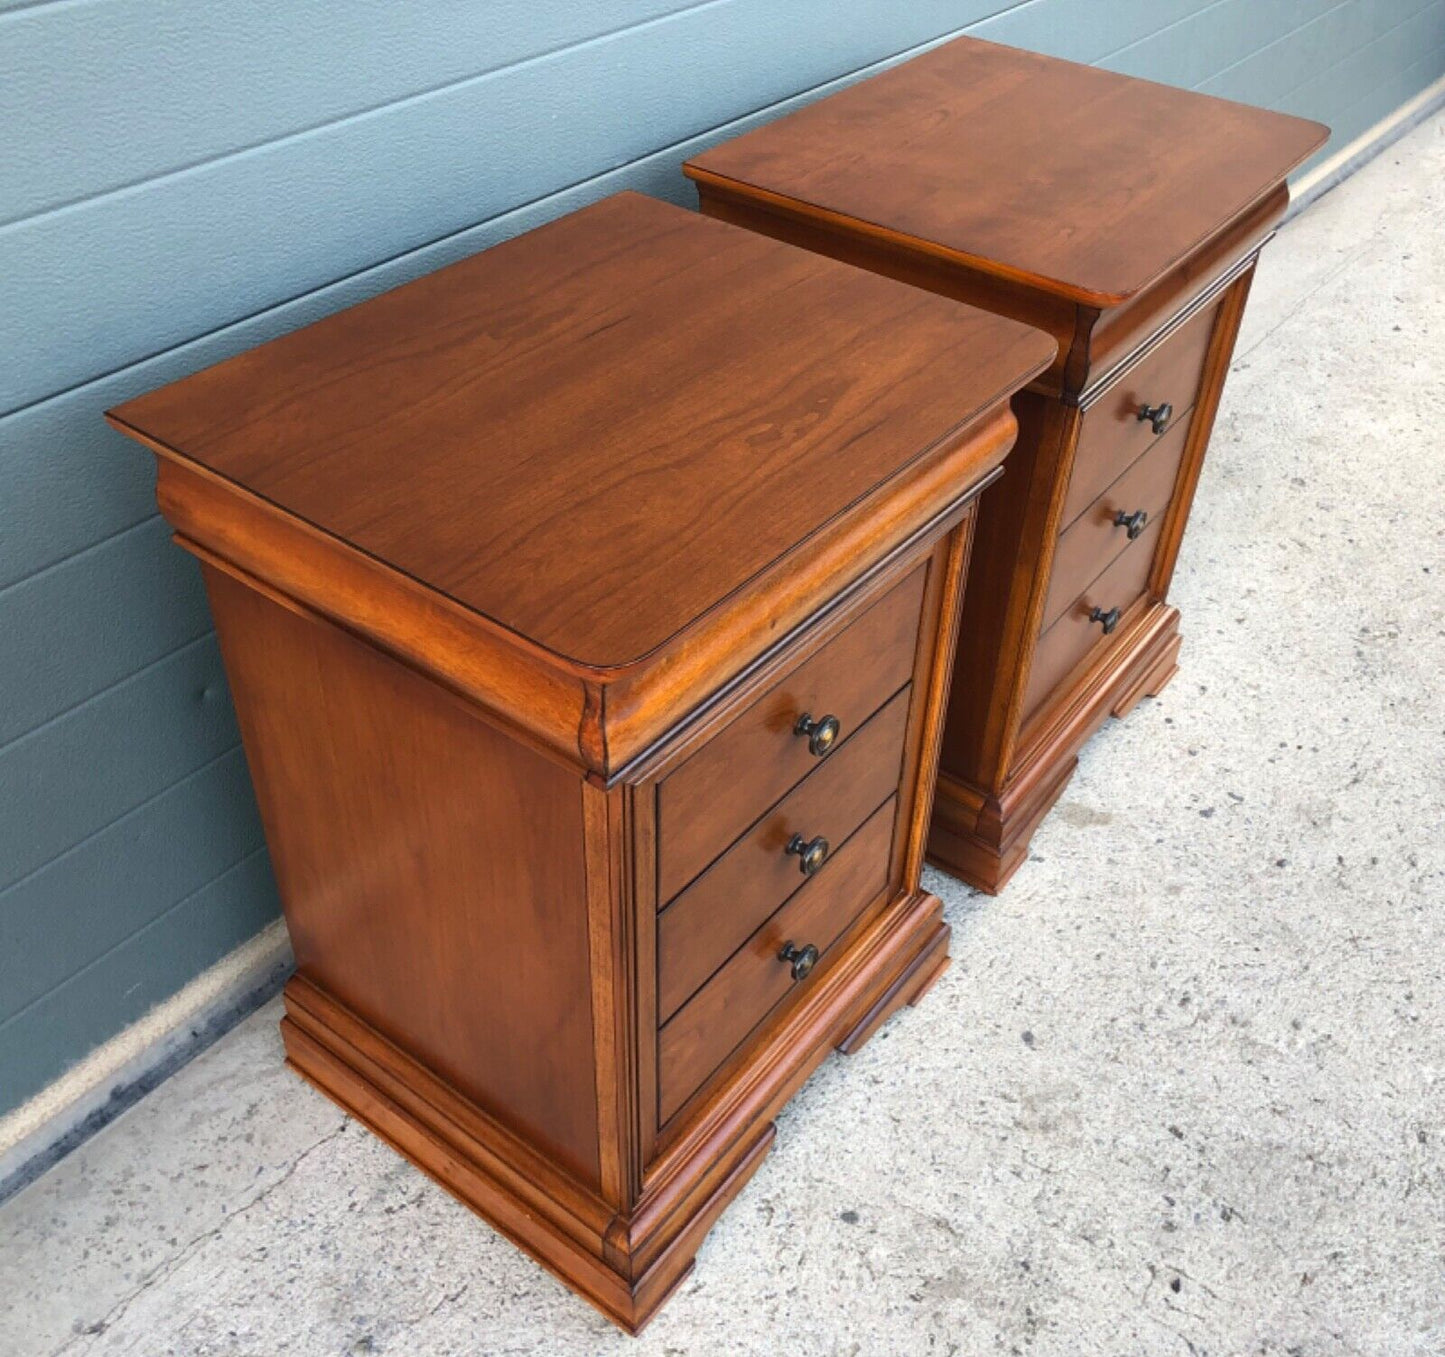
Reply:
x=914 y=981
x=626 y=1263
x=983 y=838
x=984 y=841
x=1150 y=681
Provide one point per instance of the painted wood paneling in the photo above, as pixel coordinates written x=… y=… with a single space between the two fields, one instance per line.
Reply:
x=180 y=181
x=1213 y=40
x=119 y=986
x=1082 y=30
x=223 y=78
x=81 y=626
x=1372 y=55
x=1333 y=61
x=114 y=883
x=71 y=778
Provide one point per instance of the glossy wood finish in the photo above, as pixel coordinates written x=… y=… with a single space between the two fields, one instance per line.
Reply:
x=569 y=415
x=715 y=795
x=1096 y=537
x=437 y=918
x=1065 y=178
x=429 y=528
x=699 y=930
x=752 y=980
x=1123 y=219
x=607 y=713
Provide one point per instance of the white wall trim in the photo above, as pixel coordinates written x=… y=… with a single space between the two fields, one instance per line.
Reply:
x=1328 y=173
x=118 y=1074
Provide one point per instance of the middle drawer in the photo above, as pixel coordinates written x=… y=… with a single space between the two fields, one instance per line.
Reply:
x=721 y=1018
x=1100 y=535
x=707 y=802
x=720 y=910
x=1079 y=631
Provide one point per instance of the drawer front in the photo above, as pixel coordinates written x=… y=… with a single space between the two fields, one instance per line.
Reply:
x=1096 y=538
x=720 y=910
x=1112 y=435
x=754 y=980
x=757 y=757
x=1073 y=637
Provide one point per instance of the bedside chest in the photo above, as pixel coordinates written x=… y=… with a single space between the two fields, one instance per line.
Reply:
x=1122 y=217
x=588 y=608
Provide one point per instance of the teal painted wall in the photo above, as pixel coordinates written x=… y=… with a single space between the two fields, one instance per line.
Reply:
x=181 y=180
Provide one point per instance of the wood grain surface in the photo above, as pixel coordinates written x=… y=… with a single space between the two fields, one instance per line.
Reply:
x=1076 y=180
x=595 y=433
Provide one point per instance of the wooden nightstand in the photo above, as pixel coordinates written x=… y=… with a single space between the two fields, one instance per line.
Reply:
x=1122 y=217
x=588 y=608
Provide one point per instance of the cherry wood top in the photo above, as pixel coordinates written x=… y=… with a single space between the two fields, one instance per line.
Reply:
x=597 y=432
x=1081 y=182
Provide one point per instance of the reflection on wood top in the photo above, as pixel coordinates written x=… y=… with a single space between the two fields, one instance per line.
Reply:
x=595 y=433
x=1076 y=180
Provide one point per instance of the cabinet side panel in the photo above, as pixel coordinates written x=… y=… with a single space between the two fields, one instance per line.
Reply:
x=1003 y=596
x=431 y=869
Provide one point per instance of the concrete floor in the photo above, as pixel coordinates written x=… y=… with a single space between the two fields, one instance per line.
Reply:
x=1182 y=1091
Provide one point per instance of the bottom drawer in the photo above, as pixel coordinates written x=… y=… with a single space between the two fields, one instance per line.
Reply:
x=1074 y=636
x=716 y=1021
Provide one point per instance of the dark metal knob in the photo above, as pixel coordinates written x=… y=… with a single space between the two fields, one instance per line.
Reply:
x=822 y=735
x=1132 y=523
x=803 y=959
x=812 y=854
x=1157 y=415
x=1108 y=620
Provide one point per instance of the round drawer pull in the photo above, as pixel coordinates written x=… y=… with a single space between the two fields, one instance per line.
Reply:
x=803 y=959
x=1156 y=415
x=812 y=853
x=1108 y=620
x=1133 y=524
x=822 y=734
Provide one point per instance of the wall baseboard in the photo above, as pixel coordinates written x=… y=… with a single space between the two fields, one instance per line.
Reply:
x=120 y=1073
x=1340 y=166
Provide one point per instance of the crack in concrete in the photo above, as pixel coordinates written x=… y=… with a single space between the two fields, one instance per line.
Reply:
x=168 y=1268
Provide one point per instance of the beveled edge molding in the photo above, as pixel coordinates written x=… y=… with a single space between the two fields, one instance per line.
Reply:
x=1087 y=330
x=837 y=237
x=1233 y=246
x=305 y=570
x=598 y=720
x=724 y=186
x=929 y=496
x=984 y=839
x=1118 y=369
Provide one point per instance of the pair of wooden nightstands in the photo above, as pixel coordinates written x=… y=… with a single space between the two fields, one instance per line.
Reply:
x=590 y=612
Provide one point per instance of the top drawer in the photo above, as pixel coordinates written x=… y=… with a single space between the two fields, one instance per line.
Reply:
x=1113 y=434
x=758 y=756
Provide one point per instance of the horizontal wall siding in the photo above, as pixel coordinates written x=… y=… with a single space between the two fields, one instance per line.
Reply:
x=180 y=181
x=121 y=985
